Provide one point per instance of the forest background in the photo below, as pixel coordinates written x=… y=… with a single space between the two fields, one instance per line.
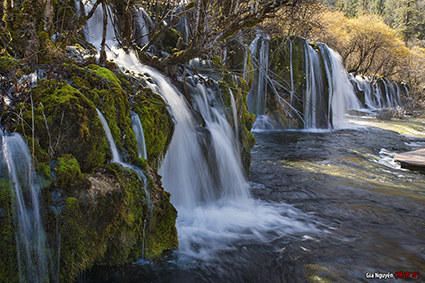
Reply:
x=375 y=38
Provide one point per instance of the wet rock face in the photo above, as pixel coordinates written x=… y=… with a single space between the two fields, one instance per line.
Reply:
x=102 y=184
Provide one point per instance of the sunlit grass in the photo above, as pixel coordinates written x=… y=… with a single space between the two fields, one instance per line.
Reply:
x=412 y=127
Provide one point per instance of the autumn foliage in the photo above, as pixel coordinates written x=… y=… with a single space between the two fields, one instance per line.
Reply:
x=370 y=47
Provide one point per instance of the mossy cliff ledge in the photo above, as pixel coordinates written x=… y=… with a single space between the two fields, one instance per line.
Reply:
x=95 y=212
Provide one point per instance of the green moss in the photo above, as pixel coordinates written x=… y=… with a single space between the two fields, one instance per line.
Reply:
x=163 y=235
x=15 y=19
x=7 y=62
x=63 y=118
x=68 y=170
x=170 y=39
x=99 y=210
x=103 y=87
x=9 y=269
x=104 y=73
x=80 y=246
x=141 y=163
x=108 y=218
x=156 y=122
x=44 y=169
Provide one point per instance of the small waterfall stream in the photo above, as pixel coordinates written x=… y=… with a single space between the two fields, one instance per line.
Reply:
x=378 y=94
x=116 y=158
x=140 y=136
x=235 y=115
x=25 y=194
x=257 y=96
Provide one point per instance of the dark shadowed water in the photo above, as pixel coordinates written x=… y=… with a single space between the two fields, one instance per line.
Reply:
x=364 y=213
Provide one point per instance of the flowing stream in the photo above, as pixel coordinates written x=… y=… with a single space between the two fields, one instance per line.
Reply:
x=368 y=213
x=24 y=185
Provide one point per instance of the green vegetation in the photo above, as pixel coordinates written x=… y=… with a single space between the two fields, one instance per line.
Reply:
x=8 y=264
x=118 y=221
x=156 y=122
x=239 y=89
x=104 y=213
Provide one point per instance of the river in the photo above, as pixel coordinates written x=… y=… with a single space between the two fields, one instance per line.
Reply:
x=365 y=213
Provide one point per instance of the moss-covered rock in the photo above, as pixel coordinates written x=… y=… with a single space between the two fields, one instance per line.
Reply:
x=65 y=122
x=9 y=268
x=157 y=124
x=170 y=39
x=123 y=220
x=103 y=88
x=68 y=170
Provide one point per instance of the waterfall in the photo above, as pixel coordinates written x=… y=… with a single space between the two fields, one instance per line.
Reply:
x=25 y=194
x=314 y=96
x=258 y=94
x=202 y=170
x=203 y=173
x=93 y=29
x=326 y=109
x=116 y=158
x=378 y=94
x=327 y=91
x=291 y=74
x=140 y=136
x=343 y=96
x=115 y=154
x=366 y=87
x=235 y=114
x=142 y=31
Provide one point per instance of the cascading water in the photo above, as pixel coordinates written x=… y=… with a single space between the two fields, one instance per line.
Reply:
x=314 y=98
x=378 y=94
x=140 y=136
x=326 y=94
x=25 y=190
x=343 y=96
x=144 y=22
x=257 y=96
x=202 y=170
x=323 y=110
x=116 y=158
x=235 y=115
x=93 y=29
x=114 y=150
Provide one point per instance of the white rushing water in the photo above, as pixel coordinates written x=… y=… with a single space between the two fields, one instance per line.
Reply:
x=202 y=170
x=235 y=115
x=25 y=194
x=379 y=94
x=140 y=136
x=257 y=95
x=343 y=96
x=314 y=111
x=116 y=157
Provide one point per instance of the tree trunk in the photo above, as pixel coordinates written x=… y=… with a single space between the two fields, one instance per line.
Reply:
x=48 y=16
x=102 y=58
